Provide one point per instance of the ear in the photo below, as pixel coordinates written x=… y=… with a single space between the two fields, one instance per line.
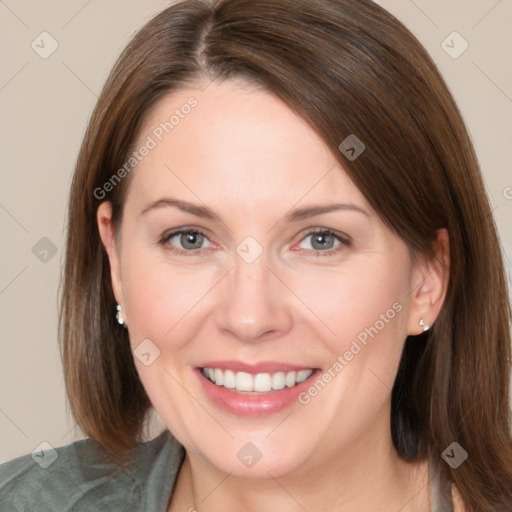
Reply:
x=107 y=232
x=430 y=280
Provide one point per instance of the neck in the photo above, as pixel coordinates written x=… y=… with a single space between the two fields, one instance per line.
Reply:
x=367 y=475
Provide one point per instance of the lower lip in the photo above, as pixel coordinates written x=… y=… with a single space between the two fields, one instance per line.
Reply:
x=263 y=404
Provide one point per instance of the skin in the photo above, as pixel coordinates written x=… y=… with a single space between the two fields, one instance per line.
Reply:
x=250 y=159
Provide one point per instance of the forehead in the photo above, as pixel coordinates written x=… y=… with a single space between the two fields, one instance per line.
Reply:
x=236 y=144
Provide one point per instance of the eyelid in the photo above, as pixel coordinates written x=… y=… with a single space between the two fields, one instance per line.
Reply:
x=338 y=234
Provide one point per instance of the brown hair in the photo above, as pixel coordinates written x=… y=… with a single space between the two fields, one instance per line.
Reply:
x=347 y=68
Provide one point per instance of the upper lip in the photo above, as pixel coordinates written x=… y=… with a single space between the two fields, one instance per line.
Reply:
x=254 y=368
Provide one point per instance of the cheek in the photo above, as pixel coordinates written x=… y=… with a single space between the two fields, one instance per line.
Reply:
x=363 y=312
x=361 y=303
x=364 y=315
x=162 y=299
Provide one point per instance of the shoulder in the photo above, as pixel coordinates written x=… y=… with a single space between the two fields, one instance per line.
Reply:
x=80 y=476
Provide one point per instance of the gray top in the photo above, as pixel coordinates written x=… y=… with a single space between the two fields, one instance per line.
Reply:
x=82 y=479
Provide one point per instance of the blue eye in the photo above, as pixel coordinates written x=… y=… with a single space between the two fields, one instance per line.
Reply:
x=323 y=241
x=190 y=239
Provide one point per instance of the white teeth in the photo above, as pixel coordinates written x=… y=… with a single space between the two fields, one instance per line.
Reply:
x=290 y=379
x=261 y=382
x=229 y=379
x=278 y=380
x=302 y=375
x=219 y=376
x=243 y=381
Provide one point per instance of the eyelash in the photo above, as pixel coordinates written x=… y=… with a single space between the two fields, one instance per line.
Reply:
x=344 y=242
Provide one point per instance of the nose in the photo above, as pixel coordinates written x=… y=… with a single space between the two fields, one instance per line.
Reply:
x=254 y=304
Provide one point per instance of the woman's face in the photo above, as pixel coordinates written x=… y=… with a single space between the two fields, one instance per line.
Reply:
x=224 y=262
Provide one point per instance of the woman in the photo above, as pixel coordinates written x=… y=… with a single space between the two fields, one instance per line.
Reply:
x=232 y=145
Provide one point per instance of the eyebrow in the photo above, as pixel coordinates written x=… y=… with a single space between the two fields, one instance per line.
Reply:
x=293 y=216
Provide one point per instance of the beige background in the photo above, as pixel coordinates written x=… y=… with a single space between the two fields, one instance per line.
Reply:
x=45 y=105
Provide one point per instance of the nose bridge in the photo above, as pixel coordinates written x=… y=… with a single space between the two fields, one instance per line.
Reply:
x=251 y=279
x=253 y=301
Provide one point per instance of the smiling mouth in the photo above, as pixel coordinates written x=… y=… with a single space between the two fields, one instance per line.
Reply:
x=243 y=382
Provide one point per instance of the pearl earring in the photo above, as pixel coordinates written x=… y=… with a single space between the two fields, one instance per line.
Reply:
x=425 y=327
x=119 y=314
